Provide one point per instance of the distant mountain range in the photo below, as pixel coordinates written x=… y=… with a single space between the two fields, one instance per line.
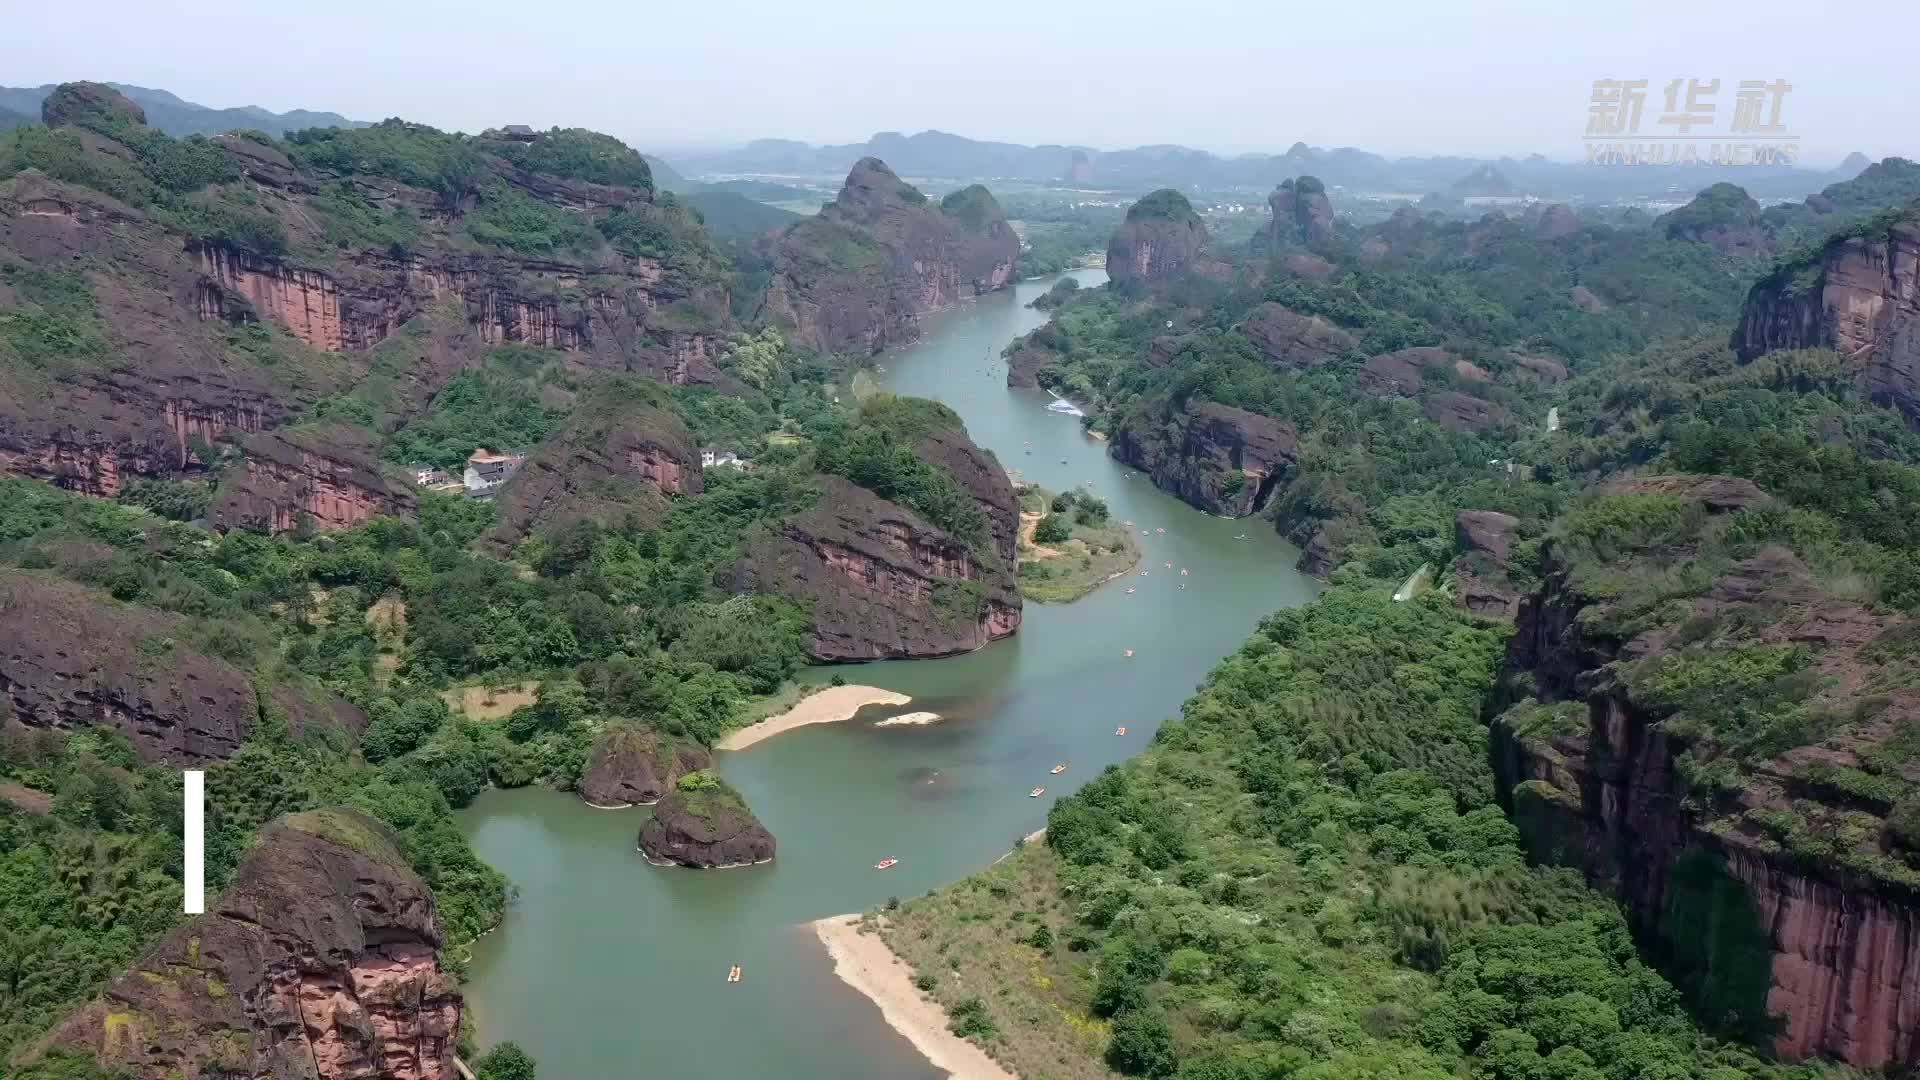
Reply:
x=943 y=155
x=175 y=115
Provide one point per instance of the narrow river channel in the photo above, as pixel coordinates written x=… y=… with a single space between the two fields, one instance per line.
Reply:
x=607 y=967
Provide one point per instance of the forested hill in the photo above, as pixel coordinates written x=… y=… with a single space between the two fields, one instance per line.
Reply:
x=178 y=117
x=241 y=379
x=1597 y=759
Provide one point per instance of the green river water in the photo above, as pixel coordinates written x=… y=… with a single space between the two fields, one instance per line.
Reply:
x=606 y=967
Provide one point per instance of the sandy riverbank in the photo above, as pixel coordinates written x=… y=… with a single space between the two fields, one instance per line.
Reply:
x=831 y=705
x=865 y=963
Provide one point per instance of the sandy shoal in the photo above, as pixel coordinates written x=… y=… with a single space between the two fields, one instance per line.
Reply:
x=912 y=719
x=865 y=963
x=831 y=705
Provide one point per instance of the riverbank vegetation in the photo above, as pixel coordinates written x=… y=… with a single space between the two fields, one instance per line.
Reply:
x=1070 y=545
x=542 y=646
x=1310 y=873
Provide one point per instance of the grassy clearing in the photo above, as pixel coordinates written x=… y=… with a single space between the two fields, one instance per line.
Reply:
x=486 y=702
x=1096 y=550
x=980 y=941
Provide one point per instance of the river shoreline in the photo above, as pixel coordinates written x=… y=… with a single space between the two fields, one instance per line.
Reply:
x=865 y=963
x=831 y=705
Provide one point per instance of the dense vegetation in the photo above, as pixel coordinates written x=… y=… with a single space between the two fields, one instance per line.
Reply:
x=1339 y=893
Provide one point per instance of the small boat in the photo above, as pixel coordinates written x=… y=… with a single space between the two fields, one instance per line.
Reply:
x=1058 y=769
x=1183 y=571
x=1121 y=730
x=1160 y=530
x=1129 y=590
x=1036 y=793
x=1129 y=652
x=887 y=863
x=733 y=974
x=1169 y=566
x=1143 y=573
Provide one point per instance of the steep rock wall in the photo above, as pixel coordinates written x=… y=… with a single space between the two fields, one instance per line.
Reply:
x=1832 y=955
x=319 y=961
x=1861 y=298
x=883 y=582
x=327 y=477
x=1221 y=459
x=856 y=277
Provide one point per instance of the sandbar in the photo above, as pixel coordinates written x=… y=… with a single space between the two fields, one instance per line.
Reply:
x=865 y=963
x=830 y=705
x=912 y=719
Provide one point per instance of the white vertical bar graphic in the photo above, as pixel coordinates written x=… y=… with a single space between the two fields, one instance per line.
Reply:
x=196 y=841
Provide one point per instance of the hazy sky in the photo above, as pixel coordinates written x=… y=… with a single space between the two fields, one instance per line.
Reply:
x=1397 y=78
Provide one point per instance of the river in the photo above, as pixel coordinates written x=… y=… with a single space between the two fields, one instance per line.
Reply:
x=607 y=967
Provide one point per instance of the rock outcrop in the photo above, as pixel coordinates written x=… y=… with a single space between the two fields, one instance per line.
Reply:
x=883 y=582
x=323 y=478
x=1221 y=459
x=632 y=765
x=1026 y=362
x=178 y=343
x=1859 y=296
x=71 y=659
x=1291 y=339
x=619 y=457
x=1725 y=218
x=318 y=961
x=1302 y=214
x=1557 y=221
x=855 y=277
x=1482 y=570
x=1161 y=239
x=89 y=105
x=705 y=826
x=1456 y=411
x=1722 y=858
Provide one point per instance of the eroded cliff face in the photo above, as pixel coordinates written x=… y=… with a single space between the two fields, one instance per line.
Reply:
x=1302 y=213
x=1860 y=297
x=1161 y=239
x=1221 y=459
x=1482 y=571
x=71 y=659
x=324 y=478
x=1713 y=872
x=620 y=455
x=635 y=766
x=708 y=829
x=318 y=961
x=856 y=277
x=625 y=314
x=1292 y=340
x=883 y=582
x=146 y=385
x=175 y=347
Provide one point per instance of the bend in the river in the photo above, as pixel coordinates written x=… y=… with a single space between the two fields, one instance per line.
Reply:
x=608 y=967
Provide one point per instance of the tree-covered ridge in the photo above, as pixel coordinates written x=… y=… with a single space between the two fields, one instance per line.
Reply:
x=1165 y=204
x=973 y=206
x=1337 y=894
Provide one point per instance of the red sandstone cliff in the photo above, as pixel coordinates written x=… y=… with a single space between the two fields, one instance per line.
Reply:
x=620 y=455
x=72 y=658
x=883 y=582
x=319 y=961
x=1221 y=459
x=1161 y=239
x=1860 y=296
x=176 y=343
x=1716 y=861
x=855 y=277
x=324 y=478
